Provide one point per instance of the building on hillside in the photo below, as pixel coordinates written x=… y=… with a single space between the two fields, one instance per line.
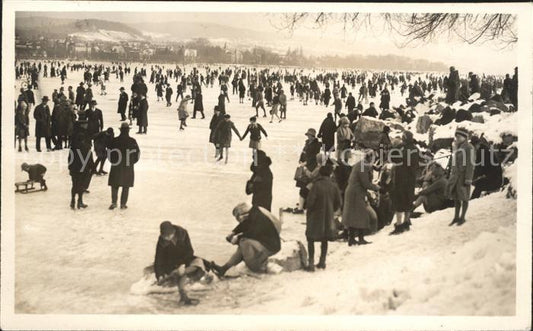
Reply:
x=190 y=55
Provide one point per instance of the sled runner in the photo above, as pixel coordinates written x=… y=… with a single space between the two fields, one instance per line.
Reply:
x=27 y=187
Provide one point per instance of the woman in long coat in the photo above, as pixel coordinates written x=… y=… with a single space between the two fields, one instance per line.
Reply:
x=260 y=184
x=323 y=200
x=183 y=112
x=22 y=122
x=142 y=119
x=403 y=182
x=355 y=216
x=218 y=116
x=223 y=135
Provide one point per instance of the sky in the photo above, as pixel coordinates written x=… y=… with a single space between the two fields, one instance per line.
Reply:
x=330 y=39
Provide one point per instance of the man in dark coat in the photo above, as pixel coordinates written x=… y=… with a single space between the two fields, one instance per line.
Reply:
x=95 y=119
x=404 y=180
x=215 y=120
x=350 y=102
x=142 y=115
x=260 y=184
x=122 y=104
x=198 y=104
x=323 y=201
x=80 y=162
x=88 y=97
x=257 y=237
x=327 y=133
x=43 y=128
x=80 y=95
x=385 y=99
x=124 y=153
x=174 y=258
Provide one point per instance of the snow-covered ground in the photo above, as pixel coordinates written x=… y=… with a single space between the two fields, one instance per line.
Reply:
x=85 y=261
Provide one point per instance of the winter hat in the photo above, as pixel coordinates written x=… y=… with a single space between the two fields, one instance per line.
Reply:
x=93 y=102
x=227 y=116
x=311 y=132
x=166 y=228
x=45 y=98
x=241 y=209
x=124 y=126
x=109 y=130
x=253 y=119
x=462 y=132
x=121 y=89
x=408 y=136
x=24 y=166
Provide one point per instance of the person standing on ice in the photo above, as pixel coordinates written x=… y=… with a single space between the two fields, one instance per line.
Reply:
x=223 y=136
x=198 y=104
x=327 y=133
x=255 y=129
x=242 y=91
x=215 y=120
x=461 y=174
x=43 y=128
x=124 y=153
x=174 y=258
x=80 y=162
x=142 y=114
x=282 y=104
x=122 y=104
x=406 y=164
x=168 y=95
x=257 y=238
x=356 y=211
x=183 y=112
x=260 y=184
x=323 y=201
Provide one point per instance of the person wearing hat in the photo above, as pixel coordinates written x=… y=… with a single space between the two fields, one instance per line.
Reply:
x=223 y=136
x=80 y=162
x=175 y=260
x=102 y=141
x=124 y=153
x=323 y=200
x=461 y=174
x=356 y=212
x=371 y=111
x=260 y=184
x=256 y=237
x=406 y=163
x=345 y=137
x=198 y=103
x=80 y=95
x=255 y=130
x=43 y=128
x=95 y=119
x=35 y=173
x=122 y=104
x=307 y=169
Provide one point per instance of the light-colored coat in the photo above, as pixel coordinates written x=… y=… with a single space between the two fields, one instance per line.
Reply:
x=355 y=214
x=462 y=171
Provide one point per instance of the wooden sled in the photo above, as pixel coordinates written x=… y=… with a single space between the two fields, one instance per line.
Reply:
x=27 y=187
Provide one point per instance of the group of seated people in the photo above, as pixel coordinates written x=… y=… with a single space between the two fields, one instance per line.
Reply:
x=257 y=237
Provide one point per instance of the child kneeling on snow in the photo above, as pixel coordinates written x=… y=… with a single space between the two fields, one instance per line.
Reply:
x=257 y=238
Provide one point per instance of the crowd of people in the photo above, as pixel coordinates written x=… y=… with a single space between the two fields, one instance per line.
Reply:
x=341 y=200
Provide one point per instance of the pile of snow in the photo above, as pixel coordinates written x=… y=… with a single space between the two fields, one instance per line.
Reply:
x=493 y=128
x=510 y=172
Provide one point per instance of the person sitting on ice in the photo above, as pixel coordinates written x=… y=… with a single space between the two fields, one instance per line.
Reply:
x=371 y=111
x=432 y=196
x=257 y=238
x=36 y=173
x=175 y=260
